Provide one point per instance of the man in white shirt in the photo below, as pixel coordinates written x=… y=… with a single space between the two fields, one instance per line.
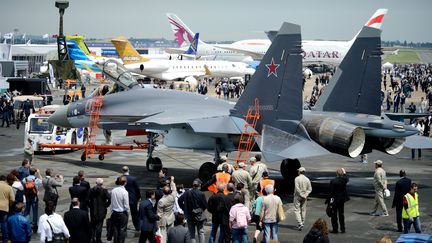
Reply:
x=120 y=208
x=51 y=223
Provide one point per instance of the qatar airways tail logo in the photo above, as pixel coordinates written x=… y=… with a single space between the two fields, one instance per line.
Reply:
x=322 y=54
x=180 y=31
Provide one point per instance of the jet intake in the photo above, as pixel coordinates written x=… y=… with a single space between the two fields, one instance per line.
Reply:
x=335 y=135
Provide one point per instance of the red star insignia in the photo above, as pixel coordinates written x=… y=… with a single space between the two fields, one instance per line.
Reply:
x=272 y=68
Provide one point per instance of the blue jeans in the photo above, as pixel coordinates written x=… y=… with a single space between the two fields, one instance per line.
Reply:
x=33 y=205
x=270 y=228
x=3 y=225
x=407 y=225
x=240 y=235
x=213 y=233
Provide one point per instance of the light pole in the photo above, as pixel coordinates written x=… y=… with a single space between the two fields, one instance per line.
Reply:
x=61 y=40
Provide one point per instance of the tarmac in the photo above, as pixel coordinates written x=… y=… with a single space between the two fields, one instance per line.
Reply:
x=184 y=164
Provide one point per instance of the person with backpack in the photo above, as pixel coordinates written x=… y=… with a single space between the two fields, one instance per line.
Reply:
x=194 y=203
x=239 y=218
x=33 y=183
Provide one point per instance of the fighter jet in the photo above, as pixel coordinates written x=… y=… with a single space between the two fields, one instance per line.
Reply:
x=345 y=120
x=190 y=120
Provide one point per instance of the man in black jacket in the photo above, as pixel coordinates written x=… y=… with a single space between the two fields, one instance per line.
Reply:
x=402 y=187
x=77 y=222
x=99 y=201
x=194 y=203
x=134 y=196
x=147 y=218
x=79 y=192
x=220 y=215
x=337 y=198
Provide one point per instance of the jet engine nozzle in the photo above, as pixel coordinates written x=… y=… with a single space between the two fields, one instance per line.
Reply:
x=335 y=135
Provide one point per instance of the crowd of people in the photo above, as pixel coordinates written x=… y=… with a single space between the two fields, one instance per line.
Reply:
x=241 y=197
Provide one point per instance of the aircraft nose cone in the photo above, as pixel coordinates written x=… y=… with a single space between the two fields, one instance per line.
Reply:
x=59 y=118
x=250 y=71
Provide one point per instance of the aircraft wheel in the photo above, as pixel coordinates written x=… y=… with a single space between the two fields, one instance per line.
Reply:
x=206 y=171
x=154 y=164
x=83 y=157
x=289 y=172
x=101 y=157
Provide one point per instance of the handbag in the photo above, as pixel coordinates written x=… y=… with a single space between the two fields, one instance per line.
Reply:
x=329 y=208
x=386 y=193
x=56 y=237
x=280 y=213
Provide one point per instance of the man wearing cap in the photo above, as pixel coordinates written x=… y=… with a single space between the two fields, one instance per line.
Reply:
x=242 y=176
x=302 y=189
x=194 y=203
x=224 y=161
x=256 y=170
x=380 y=184
x=134 y=196
x=99 y=201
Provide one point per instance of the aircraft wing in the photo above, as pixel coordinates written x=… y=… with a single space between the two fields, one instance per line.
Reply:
x=177 y=75
x=175 y=50
x=254 y=55
x=418 y=142
x=402 y=116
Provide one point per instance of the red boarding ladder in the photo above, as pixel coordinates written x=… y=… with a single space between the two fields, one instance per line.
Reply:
x=90 y=148
x=247 y=141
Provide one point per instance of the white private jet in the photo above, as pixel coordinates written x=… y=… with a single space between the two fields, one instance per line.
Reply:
x=176 y=69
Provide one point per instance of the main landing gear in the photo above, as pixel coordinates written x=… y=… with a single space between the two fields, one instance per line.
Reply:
x=153 y=163
x=208 y=169
x=288 y=169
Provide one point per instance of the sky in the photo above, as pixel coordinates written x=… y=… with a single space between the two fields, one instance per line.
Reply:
x=218 y=20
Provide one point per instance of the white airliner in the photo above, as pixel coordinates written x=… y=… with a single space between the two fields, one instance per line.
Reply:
x=176 y=69
x=184 y=37
x=331 y=52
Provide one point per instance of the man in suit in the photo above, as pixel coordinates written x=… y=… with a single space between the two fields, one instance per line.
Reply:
x=147 y=218
x=77 y=221
x=179 y=233
x=83 y=183
x=337 y=198
x=79 y=192
x=165 y=208
x=402 y=188
x=99 y=201
x=134 y=196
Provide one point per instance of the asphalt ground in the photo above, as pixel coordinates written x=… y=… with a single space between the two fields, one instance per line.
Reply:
x=184 y=165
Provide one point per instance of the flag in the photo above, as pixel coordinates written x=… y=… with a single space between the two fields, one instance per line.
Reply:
x=45 y=36
x=24 y=35
x=8 y=35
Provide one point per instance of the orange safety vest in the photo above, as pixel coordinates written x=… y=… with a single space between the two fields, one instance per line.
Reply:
x=221 y=178
x=265 y=182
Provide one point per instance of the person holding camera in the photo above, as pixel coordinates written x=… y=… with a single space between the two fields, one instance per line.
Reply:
x=165 y=208
x=50 y=184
